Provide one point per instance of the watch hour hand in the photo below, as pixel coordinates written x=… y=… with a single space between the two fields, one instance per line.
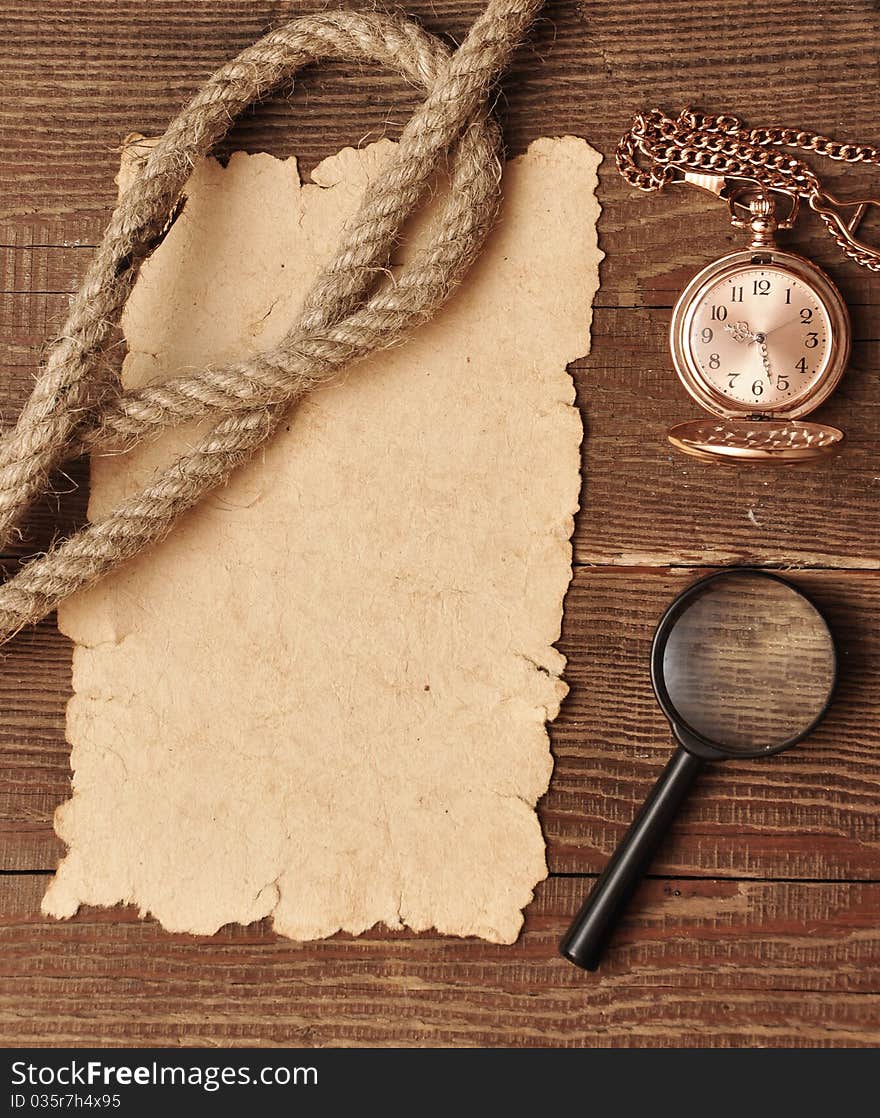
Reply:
x=740 y=332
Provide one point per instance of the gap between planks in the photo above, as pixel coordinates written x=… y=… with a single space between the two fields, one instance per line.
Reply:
x=592 y=876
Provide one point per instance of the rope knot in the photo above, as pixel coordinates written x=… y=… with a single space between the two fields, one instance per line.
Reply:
x=347 y=315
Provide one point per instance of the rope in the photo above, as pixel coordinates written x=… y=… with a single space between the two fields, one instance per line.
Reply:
x=346 y=316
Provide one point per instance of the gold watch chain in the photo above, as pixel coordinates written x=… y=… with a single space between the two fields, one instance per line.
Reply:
x=657 y=148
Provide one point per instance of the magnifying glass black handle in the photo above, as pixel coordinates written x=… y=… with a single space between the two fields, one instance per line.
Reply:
x=585 y=940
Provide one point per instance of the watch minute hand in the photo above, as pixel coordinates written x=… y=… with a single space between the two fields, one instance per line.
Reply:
x=761 y=339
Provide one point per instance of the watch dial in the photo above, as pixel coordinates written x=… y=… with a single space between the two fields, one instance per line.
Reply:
x=761 y=336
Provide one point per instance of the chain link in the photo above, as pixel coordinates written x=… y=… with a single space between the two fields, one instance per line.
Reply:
x=657 y=147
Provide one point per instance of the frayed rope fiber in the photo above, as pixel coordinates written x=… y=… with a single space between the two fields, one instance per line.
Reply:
x=348 y=314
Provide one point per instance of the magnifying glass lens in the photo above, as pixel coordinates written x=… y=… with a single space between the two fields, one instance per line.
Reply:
x=743 y=664
x=749 y=663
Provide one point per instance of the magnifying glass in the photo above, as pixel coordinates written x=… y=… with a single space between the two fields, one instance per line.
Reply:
x=743 y=665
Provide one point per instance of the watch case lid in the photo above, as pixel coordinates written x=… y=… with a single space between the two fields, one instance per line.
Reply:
x=756 y=438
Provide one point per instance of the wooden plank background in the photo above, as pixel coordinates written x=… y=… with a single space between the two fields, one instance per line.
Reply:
x=759 y=926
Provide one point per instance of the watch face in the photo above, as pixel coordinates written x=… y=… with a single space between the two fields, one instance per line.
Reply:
x=760 y=333
x=761 y=337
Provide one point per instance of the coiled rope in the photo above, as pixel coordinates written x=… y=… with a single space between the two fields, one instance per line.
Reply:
x=348 y=314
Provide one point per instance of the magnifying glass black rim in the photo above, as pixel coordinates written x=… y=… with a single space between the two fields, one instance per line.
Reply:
x=687 y=736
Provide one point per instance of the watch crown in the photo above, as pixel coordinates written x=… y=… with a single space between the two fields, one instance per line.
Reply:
x=762 y=220
x=755 y=208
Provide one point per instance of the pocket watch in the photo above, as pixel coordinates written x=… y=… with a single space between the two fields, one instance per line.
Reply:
x=761 y=337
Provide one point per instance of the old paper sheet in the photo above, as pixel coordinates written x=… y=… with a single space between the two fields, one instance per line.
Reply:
x=323 y=698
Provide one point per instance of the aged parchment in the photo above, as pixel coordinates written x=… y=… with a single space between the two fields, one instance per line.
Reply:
x=323 y=698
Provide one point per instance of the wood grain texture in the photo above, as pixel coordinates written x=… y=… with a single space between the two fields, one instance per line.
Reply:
x=707 y=964
x=763 y=929
x=810 y=813
x=645 y=503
